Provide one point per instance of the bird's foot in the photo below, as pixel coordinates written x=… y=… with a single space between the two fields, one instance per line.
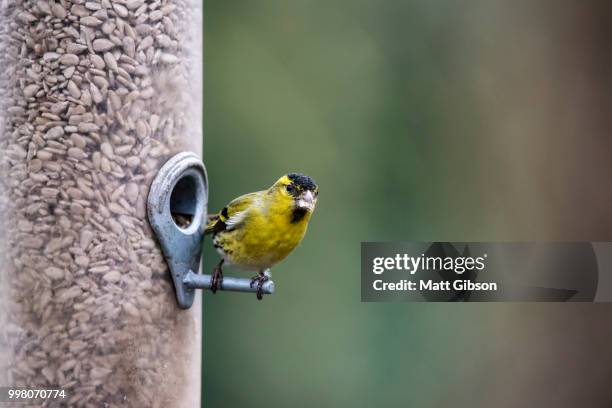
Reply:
x=260 y=278
x=217 y=278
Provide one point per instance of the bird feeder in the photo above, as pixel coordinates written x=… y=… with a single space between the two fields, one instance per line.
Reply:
x=95 y=98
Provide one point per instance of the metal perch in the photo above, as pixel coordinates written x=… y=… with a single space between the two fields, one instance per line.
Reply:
x=198 y=281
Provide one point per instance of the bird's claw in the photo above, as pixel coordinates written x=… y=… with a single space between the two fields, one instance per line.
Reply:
x=217 y=279
x=260 y=278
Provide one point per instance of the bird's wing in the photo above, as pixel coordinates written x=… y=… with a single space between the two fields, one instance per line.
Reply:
x=232 y=214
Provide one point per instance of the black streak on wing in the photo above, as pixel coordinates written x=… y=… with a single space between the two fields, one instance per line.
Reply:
x=219 y=224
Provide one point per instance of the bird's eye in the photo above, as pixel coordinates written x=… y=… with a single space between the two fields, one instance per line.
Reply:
x=290 y=189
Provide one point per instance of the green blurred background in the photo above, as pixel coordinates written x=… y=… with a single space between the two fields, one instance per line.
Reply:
x=420 y=120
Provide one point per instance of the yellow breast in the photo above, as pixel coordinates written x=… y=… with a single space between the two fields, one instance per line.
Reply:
x=268 y=234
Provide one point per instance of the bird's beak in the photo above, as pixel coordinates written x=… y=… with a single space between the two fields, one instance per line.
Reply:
x=307 y=201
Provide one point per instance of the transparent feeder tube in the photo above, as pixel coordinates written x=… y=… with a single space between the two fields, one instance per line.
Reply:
x=94 y=97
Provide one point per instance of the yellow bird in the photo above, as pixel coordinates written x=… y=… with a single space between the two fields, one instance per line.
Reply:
x=257 y=230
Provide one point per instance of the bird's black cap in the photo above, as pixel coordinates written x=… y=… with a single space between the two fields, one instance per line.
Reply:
x=303 y=181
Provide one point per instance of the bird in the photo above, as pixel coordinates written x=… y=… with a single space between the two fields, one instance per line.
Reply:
x=258 y=230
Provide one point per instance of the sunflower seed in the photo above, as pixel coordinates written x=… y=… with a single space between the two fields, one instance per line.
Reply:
x=54 y=273
x=90 y=21
x=55 y=133
x=69 y=59
x=102 y=44
x=58 y=10
x=134 y=4
x=31 y=90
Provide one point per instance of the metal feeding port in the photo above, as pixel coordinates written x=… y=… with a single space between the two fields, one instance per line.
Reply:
x=177 y=209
